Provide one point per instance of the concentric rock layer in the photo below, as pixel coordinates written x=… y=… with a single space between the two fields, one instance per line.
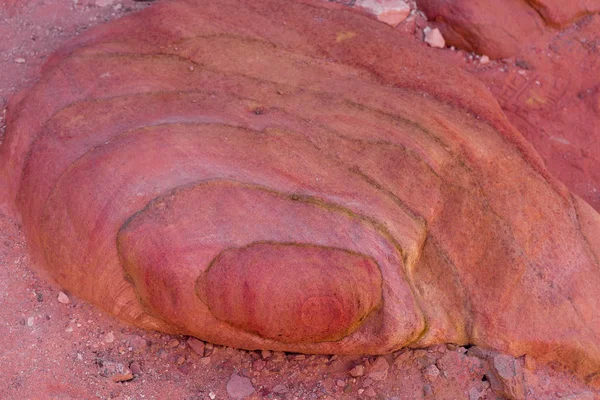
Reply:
x=298 y=177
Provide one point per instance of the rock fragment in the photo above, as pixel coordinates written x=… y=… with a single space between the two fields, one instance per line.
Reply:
x=124 y=377
x=434 y=38
x=358 y=370
x=431 y=372
x=109 y=338
x=239 y=387
x=506 y=377
x=138 y=343
x=392 y=12
x=474 y=394
x=63 y=298
x=379 y=369
x=196 y=345
x=116 y=371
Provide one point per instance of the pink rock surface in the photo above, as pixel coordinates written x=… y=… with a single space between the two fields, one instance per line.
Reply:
x=548 y=88
x=502 y=28
x=392 y=12
x=147 y=166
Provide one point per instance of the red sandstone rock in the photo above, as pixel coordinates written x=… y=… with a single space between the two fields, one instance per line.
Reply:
x=434 y=38
x=549 y=90
x=239 y=387
x=392 y=12
x=502 y=28
x=235 y=170
x=496 y=28
x=560 y=13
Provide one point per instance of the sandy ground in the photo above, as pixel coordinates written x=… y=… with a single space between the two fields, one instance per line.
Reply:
x=54 y=350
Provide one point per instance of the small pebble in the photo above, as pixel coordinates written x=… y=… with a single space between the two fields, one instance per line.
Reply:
x=357 y=371
x=20 y=60
x=392 y=12
x=196 y=345
x=63 y=298
x=138 y=343
x=124 y=377
x=173 y=343
x=205 y=360
x=239 y=387
x=432 y=372
x=379 y=369
x=484 y=59
x=434 y=38
x=109 y=338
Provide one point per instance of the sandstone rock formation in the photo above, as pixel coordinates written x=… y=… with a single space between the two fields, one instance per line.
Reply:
x=298 y=177
x=502 y=28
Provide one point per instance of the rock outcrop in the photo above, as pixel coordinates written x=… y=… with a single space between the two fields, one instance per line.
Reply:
x=294 y=176
x=502 y=28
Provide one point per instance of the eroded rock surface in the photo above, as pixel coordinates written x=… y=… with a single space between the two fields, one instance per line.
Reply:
x=161 y=152
x=502 y=28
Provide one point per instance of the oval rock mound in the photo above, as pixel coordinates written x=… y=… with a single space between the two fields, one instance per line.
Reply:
x=295 y=176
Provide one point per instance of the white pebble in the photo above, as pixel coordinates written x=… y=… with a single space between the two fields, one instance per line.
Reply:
x=434 y=38
x=63 y=298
